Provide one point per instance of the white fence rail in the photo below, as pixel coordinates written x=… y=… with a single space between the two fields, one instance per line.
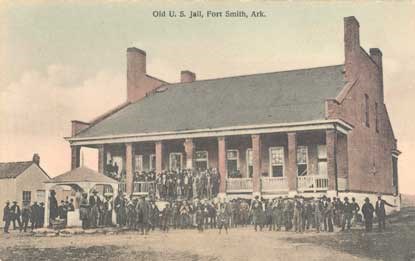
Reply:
x=274 y=184
x=143 y=187
x=312 y=183
x=239 y=185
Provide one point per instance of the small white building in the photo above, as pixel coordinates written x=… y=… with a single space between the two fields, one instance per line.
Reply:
x=22 y=181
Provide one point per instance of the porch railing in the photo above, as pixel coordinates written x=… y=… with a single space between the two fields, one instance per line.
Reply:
x=239 y=185
x=312 y=183
x=274 y=184
x=143 y=187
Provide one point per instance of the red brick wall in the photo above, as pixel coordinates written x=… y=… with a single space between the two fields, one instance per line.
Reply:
x=368 y=150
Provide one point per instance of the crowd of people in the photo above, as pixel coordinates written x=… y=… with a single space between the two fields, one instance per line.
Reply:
x=13 y=214
x=177 y=184
x=298 y=214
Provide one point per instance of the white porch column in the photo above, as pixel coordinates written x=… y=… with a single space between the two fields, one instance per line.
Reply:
x=47 y=205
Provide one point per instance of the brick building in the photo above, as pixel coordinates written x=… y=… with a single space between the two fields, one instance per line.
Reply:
x=308 y=131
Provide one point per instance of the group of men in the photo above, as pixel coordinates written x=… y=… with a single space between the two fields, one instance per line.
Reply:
x=28 y=213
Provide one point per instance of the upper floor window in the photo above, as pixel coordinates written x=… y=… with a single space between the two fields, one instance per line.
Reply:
x=366 y=113
x=249 y=163
x=302 y=156
x=138 y=163
x=175 y=161
x=202 y=160
x=232 y=162
x=276 y=161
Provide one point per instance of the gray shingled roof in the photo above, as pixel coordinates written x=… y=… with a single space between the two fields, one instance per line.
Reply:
x=279 y=97
x=13 y=169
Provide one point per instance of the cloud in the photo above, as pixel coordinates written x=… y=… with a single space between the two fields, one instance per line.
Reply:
x=37 y=109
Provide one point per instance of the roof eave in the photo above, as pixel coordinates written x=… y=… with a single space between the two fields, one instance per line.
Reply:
x=337 y=124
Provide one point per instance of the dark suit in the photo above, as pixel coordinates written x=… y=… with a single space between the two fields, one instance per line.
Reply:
x=94 y=203
x=367 y=210
x=15 y=216
x=381 y=213
x=6 y=218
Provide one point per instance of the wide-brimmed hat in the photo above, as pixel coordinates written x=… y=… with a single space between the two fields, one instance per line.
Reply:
x=94 y=192
x=366 y=199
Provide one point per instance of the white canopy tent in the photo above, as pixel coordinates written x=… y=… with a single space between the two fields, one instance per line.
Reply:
x=81 y=179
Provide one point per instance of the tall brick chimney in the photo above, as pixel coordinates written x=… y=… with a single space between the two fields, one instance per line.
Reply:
x=187 y=76
x=351 y=35
x=136 y=71
x=376 y=55
x=351 y=44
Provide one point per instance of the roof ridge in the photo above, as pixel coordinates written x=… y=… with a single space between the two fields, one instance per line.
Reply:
x=9 y=162
x=252 y=74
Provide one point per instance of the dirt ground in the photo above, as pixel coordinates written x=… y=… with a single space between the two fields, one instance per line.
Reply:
x=396 y=243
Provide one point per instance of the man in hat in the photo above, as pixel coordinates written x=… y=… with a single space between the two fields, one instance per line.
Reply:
x=381 y=212
x=94 y=202
x=53 y=206
x=367 y=210
x=62 y=211
x=41 y=214
x=108 y=206
x=15 y=215
x=26 y=215
x=347 y=214
x=356 y=209
x=35 y=215
x=6 y=217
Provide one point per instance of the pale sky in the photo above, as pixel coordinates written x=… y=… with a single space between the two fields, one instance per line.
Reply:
x=61 y=61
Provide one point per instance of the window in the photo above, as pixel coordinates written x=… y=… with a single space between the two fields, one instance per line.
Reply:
x=302 y=159
x=376 y=117
x=202 y=160
x=366 y=113
x=152 y=162
x=232 y=162
x=276 y=161
x=322 y=160
x=40 y=196
x=27 y=196
x=138 y=163
x=175 y=162
x=249 y=163
x=394 y=171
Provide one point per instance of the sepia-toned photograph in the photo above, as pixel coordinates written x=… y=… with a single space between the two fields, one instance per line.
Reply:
x=207 y=130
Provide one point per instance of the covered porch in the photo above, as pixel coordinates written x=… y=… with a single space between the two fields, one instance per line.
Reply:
x=278 y=160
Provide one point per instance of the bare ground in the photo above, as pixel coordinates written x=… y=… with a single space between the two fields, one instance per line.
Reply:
x=397 y=243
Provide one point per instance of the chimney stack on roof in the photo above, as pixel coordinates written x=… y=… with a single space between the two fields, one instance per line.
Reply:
x=187 y=76
x=351 y=34
x=376 y=55
x=36 y=159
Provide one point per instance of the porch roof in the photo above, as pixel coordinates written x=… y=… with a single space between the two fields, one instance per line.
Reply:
x=82 y=175
x=268 y=98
